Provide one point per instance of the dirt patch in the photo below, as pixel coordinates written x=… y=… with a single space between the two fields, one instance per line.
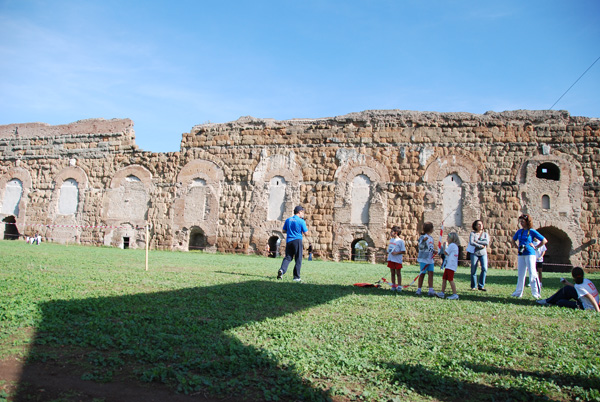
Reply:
x=43 y=381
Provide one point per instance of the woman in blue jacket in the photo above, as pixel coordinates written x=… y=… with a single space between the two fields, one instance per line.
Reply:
x=523 y=239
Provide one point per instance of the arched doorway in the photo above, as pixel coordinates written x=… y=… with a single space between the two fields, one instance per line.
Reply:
x=359 y=250
x=558 y=256
x=274 y=243
x=10 y=228
x=198 y=240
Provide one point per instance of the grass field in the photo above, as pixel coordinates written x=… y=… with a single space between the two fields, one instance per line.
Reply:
x=222 y=326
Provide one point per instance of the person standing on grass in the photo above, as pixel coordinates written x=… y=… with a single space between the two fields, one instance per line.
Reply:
x=451 y=264
x=396 y=248
x=523 y=240
x=478 y=242
x=293 y=228
x=539 y=260
x=582 y=295
x=425 y=258
x=310 y=251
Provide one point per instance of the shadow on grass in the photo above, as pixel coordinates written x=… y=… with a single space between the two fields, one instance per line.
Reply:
x=443 y=387
x=178 y=339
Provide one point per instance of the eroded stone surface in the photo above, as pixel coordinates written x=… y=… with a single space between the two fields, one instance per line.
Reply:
x=357 y=175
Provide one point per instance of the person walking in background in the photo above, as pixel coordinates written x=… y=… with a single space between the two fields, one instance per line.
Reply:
x=477 y=247
x=396 y=248
x=425 y=258
x=293 y=228
x=523 y=240
x=310 y=251
x=450 y=265
x=582 y=295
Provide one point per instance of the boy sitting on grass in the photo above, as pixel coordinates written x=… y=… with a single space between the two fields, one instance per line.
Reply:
x=582 y=295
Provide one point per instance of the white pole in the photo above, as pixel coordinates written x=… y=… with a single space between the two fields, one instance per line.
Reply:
x=147 y=242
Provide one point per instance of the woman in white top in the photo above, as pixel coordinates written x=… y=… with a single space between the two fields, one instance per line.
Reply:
x=478 y=242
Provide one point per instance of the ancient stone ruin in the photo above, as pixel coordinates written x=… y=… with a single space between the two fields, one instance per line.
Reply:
x=232 y=185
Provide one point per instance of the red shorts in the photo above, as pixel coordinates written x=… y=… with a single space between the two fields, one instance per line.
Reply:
x=448 y=275
x=394 y=265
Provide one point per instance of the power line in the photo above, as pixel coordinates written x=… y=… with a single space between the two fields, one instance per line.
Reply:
x=574 y=83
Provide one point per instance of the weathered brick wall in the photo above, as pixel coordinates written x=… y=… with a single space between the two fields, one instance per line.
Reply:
x=223 y=172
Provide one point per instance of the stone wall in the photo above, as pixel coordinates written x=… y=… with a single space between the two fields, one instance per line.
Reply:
x=357 y=176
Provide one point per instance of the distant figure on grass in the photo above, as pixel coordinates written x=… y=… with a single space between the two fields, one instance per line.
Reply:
x=582 y=295
x=477 y=247
x=293 y=228
x=425 y=258
x=310 y=251
x=523 y=240
x=396 y=248
x=450 y=264
x=539 y=260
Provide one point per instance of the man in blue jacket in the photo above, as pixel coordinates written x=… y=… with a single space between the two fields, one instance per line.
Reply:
x=294 y=228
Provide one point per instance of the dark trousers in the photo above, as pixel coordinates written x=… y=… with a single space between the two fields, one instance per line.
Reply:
x=565 y=297
x=293 y=251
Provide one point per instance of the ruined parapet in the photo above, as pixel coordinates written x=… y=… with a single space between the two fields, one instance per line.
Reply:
x=92 y=138
x=232 y=184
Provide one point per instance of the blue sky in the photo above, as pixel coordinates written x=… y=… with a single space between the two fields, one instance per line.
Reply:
x=169 y=65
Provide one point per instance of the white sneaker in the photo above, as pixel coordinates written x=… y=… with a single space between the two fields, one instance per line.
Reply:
x=431 y=293
x=452 y=297
x=543 y=302
x=440 y=295
x=399 y=289
x=297 y=280
x=393 y=288
x=418 y=292
x=515 y=294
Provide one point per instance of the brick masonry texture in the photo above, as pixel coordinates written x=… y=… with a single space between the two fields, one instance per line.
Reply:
x=214 y=193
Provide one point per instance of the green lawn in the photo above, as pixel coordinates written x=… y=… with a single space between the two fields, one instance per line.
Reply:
x=222 y=325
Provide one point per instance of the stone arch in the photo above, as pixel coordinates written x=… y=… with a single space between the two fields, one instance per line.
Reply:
x=120 y=177
x=274 y=244
x=558 y=255
x=67 y=174
x=546 y=201
x=452 y=201
x=359 y=249
x=548 y=171
x=198 y=240
x=23 y=176
x=67 y=205
x=565 y=197
x=360 y=199
x=278 y=165
x=11 y=231
x=277 y=187
x=197 y=204
x=353 y=165
x=126 y=205
x=13 y=192
x=438 y=177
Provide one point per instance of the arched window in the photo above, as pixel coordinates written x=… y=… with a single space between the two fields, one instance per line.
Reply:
x=12 y=197
x=548 y=171
x=545 y=202
x=199 y=198
x=361 y=199
x=359 y=250
x=69 y=197
x=452 y=200
x=132 y=178
x=198 y=240
x=277 y=187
